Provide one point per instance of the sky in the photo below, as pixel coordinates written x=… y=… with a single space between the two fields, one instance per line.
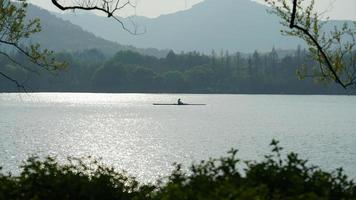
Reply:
x=336 y=9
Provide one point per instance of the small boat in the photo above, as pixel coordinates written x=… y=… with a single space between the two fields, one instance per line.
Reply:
x=175 y=104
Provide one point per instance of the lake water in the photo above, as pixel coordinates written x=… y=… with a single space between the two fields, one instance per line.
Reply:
x=127 y=131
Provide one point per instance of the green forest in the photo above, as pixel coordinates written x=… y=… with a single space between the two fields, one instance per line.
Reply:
x=192 y=72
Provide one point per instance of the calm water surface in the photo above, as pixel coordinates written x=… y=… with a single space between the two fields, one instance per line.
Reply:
x=127 y=131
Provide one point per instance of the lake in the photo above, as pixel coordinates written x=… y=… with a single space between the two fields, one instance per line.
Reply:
x=128 y=132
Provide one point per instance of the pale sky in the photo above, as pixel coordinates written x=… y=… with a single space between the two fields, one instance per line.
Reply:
x=337 y=9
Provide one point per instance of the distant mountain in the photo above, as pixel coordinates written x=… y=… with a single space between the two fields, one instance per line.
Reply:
x=235 y=25
x=58 y=34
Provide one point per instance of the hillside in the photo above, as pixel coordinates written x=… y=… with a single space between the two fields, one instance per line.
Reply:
x=235 y=25
x=58 y=34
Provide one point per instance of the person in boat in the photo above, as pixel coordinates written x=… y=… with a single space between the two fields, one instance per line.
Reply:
x=180 y=102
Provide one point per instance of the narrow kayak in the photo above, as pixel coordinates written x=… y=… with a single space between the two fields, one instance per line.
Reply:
x=175 y=104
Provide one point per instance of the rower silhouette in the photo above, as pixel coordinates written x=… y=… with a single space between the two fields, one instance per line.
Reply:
x=180 y=102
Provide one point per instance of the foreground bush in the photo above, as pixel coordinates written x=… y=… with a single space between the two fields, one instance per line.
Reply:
x=272 y=178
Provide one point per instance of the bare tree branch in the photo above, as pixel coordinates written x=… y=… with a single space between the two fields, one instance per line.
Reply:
x=19 y=85
x=109 y=7
x=18 y=64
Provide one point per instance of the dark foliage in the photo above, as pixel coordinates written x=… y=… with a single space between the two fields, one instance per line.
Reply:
x=273 y=178
x=126 y=71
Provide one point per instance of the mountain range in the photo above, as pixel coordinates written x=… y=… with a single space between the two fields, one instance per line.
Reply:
x=234 y=25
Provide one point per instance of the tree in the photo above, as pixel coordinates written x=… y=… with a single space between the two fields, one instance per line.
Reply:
x=200 y=78
x=111 y=77
x=142 y=79
x=14 y=30
x=257 y=64
x=174 y=81
x=273 y=59
x=171 y=58
x=334 y=52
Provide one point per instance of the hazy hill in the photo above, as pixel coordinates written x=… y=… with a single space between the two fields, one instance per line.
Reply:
x=235 y=25
x=240 y=25
x=58 y=34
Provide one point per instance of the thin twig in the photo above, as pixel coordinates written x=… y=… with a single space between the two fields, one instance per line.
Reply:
x=19 y=85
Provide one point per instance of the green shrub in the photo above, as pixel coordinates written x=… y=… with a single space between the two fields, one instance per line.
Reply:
x=273 y=178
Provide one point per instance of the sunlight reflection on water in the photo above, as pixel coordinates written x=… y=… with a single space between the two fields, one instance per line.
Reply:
x=127 y=131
